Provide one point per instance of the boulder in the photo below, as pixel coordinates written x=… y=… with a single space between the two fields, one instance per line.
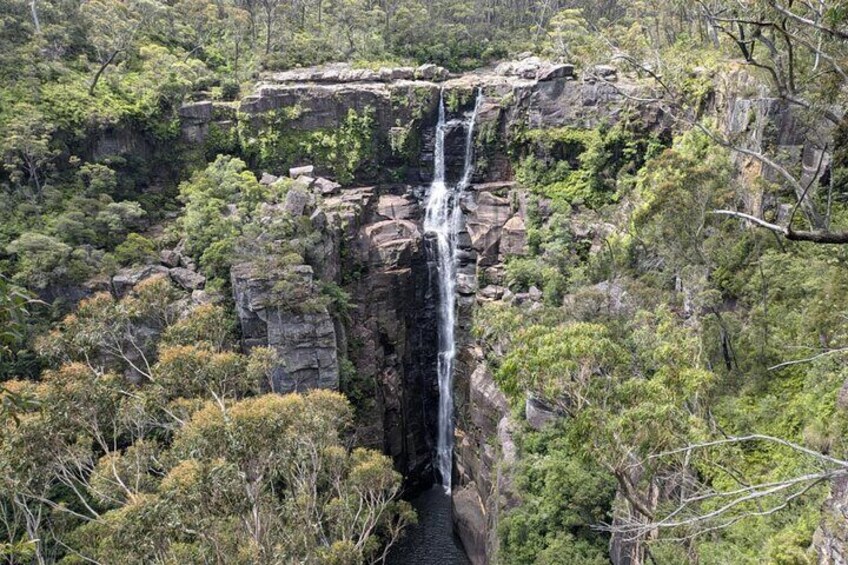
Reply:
x=170 y=258
x=126 y=279
x=196 y=111
x=535 y=294
x=326 y=187
x=528 y=68
x=304 y=181
x=187 y=279
x=305 y=170
x=506 y=68
x=492 y=292
x=538 y=413
x=200 y=297
x=268 y=179
x=296 y=202
x=554 y=72
x=429 y=71
x=187 y=263
x=318 y=220
x=514 y=237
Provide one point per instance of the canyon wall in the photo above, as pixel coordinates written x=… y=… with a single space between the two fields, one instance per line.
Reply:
x=375 y=249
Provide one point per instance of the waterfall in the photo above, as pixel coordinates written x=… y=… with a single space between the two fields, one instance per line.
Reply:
x=442 y=220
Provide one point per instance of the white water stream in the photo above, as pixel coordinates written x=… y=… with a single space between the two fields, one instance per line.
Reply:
x=442 y=219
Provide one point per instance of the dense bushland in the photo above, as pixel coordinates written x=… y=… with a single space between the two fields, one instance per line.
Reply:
x=134 y=430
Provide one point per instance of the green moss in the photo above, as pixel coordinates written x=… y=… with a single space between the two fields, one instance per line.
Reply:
x=458 y=98
x=577 y=166
x=344 y=150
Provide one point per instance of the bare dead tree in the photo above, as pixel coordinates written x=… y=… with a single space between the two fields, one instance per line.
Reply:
x=687 y=519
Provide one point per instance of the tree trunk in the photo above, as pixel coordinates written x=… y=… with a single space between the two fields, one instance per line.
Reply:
x=268 y=19
x=34 y=10
x=100 y=71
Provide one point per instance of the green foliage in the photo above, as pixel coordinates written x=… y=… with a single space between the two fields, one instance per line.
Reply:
x=572 y=166
x=206 y=196
x=692 y=177
x=691 y=339
x=562 y=497
x=343 y=151
x=219 y=201
x=179 y=460
x=15 y=329
x=26 y=147
x=135 y=249
x=151 y=425
x=43 y=261
x=523 y=273
x=569 y=36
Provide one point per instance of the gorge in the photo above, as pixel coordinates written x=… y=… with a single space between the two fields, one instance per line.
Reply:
x=419 y=283
x=419 y=250
x=442 y=219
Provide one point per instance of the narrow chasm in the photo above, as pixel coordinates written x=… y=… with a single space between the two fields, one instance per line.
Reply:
x=433 y=539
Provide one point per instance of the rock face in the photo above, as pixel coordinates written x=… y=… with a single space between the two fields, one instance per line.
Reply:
x=383 y=350
x=374 y=247
x=484 y=455
x=403 y=103
x=831 y=538
x=304 y=341
x=493 y=228
x=393 y=321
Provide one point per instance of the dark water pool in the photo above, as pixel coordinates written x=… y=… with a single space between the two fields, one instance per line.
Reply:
x=431 y=541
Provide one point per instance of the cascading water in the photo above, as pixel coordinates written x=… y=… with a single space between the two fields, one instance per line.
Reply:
x=442 y=220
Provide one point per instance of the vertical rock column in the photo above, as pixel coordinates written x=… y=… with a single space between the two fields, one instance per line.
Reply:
x=305 y=341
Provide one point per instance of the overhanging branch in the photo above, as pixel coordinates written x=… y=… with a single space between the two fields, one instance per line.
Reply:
x=816 y=236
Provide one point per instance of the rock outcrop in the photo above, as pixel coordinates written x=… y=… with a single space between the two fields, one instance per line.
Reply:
x=831 y=538
x=403 y=103
x=304 y=340
x=125 y=279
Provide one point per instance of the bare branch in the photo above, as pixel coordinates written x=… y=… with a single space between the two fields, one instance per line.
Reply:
x=808 y=359
x=755 y=437
x=752 y=219
x=802 y=20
